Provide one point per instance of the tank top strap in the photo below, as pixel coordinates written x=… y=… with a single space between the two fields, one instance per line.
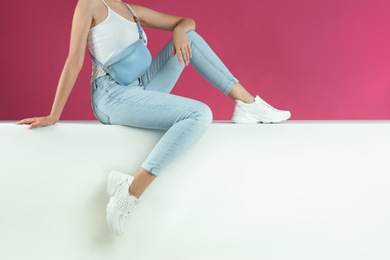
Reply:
x=105 y=4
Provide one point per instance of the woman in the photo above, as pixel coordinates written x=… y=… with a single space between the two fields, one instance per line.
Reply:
x=108 y=27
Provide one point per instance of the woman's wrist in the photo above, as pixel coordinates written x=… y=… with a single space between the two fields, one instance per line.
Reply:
x=185 y=25
x=178 y=29
x=54 y=118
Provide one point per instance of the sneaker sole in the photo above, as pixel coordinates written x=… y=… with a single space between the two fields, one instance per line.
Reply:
x=114 y=179
x=242 y=119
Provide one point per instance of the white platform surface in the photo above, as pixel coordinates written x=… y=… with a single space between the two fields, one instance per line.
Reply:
x=299 y=190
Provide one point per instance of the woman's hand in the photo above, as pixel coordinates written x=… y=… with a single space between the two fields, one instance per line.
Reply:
x=181 y=45
x=38 y=121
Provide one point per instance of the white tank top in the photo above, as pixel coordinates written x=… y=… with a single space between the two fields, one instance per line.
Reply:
x=109 y=38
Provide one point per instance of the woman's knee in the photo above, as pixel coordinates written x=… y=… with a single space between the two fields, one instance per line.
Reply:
x=203 y=114
x=192 y=35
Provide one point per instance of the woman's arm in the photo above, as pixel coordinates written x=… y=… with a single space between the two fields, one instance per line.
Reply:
x=179 y=25
x=157 y=20
x=81 y=23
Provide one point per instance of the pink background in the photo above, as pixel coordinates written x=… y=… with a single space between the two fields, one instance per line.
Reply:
x=322 y=60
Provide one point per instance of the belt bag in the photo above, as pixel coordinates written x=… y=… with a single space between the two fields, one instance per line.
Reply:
x=131 y=63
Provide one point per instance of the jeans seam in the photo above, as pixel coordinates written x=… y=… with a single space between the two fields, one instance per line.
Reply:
x=205 y=56
x=175 y=142
x=157 y=71
x=152 y=169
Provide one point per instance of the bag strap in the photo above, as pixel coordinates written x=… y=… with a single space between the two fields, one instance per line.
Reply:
x=140 y=32
x=96 y=61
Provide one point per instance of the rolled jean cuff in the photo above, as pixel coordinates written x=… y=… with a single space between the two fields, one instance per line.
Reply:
x=230 y=85
x=151 y=169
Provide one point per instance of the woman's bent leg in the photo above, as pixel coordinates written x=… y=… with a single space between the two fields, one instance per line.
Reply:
x=208 y=64
x=185 y=120
x=165 y=70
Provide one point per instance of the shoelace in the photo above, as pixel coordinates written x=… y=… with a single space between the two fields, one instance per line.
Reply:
x=129 y=209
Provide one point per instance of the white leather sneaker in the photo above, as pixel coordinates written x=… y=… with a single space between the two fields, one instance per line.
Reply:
x=258 y=111
x=121 y=202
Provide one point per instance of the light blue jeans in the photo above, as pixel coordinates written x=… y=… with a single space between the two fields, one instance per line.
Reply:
x=146 y=102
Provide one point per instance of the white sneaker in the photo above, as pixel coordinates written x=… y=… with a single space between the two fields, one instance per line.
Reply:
x=121 y=203
x=258 y=111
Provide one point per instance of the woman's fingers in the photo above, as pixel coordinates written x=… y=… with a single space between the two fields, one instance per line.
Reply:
x=173 y=52
x=189 y=51
x=20 y=122
x=38 y=121
x=178 y=52
x=25 y=121
x=35 y=124
x=184 y=53
x=181 y=47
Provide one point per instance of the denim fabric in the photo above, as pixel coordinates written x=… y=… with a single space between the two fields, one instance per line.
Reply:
x=146 y=102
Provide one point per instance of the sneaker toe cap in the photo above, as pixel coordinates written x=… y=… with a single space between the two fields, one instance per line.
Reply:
x=280 y=115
